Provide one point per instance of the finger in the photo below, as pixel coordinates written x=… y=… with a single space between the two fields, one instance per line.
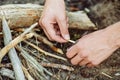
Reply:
x=72 y=51
x=76 y=59
x=51 y=31
x=47 y=34
x=84 y=62
x=67 y=20
x=43 y=27
x=62 y=22
x=57 y=29
x=90 y=65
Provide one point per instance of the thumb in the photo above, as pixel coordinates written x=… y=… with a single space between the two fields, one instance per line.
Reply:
x=63 y=28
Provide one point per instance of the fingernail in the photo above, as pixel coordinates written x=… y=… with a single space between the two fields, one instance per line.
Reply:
x=67 y=37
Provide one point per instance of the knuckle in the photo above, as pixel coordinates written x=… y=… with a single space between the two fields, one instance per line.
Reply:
x=61 y=18
x=51 y=38
x=43 y=21
x=90 y=60
x=95 y=63
x=72 y=61
x=83 y=55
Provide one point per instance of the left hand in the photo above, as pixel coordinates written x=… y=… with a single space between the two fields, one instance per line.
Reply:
x=93 y=48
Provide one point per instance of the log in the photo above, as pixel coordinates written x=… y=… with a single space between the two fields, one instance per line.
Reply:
x=24 y=15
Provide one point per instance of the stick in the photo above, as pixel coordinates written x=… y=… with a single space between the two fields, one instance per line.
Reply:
x=12 y=53
x=106 y=75
x=44 y=40
x=33 y=62
x=29 y=77
x=7 y=72
x=71 y=41
x=46 y=53
x=24 y=15
x=15 y=41
x=59 y=66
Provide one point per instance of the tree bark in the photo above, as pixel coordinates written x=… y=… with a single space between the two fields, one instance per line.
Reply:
x=24 y=15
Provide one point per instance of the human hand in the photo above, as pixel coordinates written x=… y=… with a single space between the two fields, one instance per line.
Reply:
x=54 y=21
x=93 y=48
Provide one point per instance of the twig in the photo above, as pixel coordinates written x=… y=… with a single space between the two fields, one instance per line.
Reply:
x=106 y=75
x=60 y=66
x=46 y=53
x=44 y=40
x=6 y=65
x=33 y=62
x=29 y=77
x=12 y=53
x=7 y=72
x=18 y=39
x=71 y=41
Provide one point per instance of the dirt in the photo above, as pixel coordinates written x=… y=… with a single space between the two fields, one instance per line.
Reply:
x=111 y=66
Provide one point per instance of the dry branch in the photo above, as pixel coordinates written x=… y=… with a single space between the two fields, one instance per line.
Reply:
x=24 y=15
x=46 y=53
x=59 y=66
x=29 y=77
x=31 y=60
x=18 y=39
x=12 y=52
x=45 y=41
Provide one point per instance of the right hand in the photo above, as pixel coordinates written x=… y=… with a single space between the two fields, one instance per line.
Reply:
x=54 y=21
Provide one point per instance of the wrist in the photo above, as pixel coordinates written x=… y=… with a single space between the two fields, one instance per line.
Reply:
x=113 y=31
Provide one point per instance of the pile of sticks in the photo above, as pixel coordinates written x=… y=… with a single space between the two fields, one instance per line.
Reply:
x=25 y=62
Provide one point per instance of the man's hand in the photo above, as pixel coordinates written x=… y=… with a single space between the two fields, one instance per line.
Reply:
x=54 y=21
x=93 y=48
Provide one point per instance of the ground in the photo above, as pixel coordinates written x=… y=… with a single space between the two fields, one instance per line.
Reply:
x=111 y=66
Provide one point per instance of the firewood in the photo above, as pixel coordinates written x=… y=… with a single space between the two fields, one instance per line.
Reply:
x=33 y=61
x=44 y=52
x=24 y=15
x=15 y=41
x=12 y=52
x=50 y=44
x=59 y=66
x=27 y=74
